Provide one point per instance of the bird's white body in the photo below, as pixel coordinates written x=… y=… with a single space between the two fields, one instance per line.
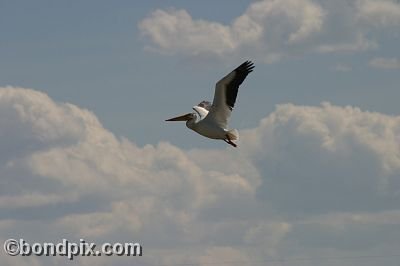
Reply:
x=207 y=127
x=211 y=120
x=208 y=130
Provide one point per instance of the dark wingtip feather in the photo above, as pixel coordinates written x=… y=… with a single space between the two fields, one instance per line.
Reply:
x=241 y=73
x=248 y=66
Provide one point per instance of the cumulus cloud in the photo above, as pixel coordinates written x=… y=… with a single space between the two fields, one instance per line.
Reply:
x=385 y=63
x=384 y=13
x=319 y=177
x=176 y=30
x=56 y=154
x=273 y=29
x=279 y=23
x=346 y=158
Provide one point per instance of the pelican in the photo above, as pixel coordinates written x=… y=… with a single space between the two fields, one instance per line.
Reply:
x=211 y=120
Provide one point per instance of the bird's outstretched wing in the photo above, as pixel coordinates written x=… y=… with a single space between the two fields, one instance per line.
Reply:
x=226 y=92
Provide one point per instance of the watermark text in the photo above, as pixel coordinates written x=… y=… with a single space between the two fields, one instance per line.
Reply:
x=19 y=247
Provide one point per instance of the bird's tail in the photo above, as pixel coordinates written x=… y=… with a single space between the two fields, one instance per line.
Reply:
x=233 y=134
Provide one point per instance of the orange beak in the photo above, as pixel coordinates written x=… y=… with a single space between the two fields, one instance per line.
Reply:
x=185 y=117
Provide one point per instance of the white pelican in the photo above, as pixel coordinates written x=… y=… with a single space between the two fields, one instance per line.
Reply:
x=211 y=120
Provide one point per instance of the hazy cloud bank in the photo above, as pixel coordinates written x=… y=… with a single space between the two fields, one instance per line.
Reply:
x=272 y=30
x=307 y=178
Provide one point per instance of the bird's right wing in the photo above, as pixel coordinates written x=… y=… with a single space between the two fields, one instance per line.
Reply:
x=226 y=92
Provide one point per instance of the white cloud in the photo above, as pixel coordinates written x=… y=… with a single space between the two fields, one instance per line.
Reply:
x=19 y=261
x=271 y=30
x=175 y=30
x=68 y=160
x=268 y=235
x=385 y=63
x=318 y=151
x=383 y=13
x=350 y=231
x=225 y=255
x=277 y=23
x=303 y=175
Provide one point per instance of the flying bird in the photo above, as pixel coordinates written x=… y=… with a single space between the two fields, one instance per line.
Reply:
x=211 y=120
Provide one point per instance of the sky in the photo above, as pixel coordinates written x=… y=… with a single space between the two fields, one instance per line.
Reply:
x=85 y=87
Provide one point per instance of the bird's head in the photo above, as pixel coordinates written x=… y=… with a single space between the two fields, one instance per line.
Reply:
x=186 y=117
x=190 y=118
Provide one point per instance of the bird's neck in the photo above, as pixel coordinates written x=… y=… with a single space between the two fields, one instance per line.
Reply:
x=191 y=123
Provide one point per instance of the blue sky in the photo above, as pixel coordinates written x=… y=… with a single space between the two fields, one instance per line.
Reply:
x=92 y=54
x=85 y=87
x=74 y=51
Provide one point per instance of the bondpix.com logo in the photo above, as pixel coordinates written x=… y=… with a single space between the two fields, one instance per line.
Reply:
x=20 y=247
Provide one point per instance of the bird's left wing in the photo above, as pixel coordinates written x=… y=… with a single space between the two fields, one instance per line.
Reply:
x=226 y=92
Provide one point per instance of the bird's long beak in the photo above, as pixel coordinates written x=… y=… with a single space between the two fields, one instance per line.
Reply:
x=181 y=118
